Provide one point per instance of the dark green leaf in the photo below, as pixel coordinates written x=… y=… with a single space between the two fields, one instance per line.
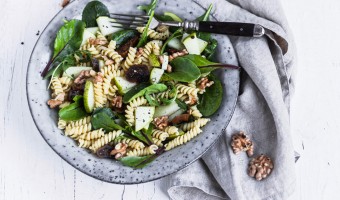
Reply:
x=137 y=134
x=172 y=94
x=211 y=100
x=176 y=34
x=74 y=111
x=65 y=33
x=150 y=10
x=210 y=50
x=184 y=70
x=92 y=11
x=181 y=104
x=142 y=89
x=137 y=162
x=72 y=45
x=123 y=36
x=198 y=60
x=104 y=118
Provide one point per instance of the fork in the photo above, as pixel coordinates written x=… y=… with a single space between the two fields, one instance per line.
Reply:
x=229 y=28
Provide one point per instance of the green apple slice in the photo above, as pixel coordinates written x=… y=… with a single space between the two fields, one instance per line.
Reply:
x=143 y=116
x=105 y=25
x=123 y=85
x=89 y=96
x=176 y=43
x=194 y=45
x=166 y=110
x=156 y=75
x=73 y=72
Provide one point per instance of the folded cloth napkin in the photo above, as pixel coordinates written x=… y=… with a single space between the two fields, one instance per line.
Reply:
x=262 y=112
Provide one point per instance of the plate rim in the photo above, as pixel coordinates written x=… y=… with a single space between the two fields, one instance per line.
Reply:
x=119 y=182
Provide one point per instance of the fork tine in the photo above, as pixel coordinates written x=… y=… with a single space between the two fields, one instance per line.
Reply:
x=141 y=16
x=129 y=23
x=130 y=20
x=125 y=27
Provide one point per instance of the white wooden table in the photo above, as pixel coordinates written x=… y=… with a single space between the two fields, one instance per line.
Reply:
x=30 y=170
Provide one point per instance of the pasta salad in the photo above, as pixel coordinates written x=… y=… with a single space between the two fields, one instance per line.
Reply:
x=132 y=94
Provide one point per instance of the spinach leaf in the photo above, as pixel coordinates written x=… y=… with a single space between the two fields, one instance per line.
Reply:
x=104 y=118
x=176 y=34
x=74 y=111
x=72 y=45
x=211 y=100
x=143 y=89
x=198 y=60
x=92 y=11
x=137 y=162
x=65 y=33
x=172 y=94
x=201 y=62
x=138 y=135
x=210 y=50
x=183 y=70
x=123 y=36
x=150 y=10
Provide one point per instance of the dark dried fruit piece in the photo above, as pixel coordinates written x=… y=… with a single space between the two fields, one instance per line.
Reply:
x=138 y=74
x=95 y=64
x=123 y=50
x=104 y=151
x=75 y=90
x=180 y=118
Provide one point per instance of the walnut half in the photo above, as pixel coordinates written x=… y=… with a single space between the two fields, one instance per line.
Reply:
x=260 y=167
x=161 y=122
x=240 y=142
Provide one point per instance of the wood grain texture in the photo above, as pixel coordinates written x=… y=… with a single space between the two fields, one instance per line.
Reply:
x=30 y=170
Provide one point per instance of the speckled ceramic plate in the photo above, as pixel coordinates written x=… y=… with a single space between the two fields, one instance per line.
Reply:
x=110 y=170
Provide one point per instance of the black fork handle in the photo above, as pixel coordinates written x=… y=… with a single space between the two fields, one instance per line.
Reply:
x=232 y=28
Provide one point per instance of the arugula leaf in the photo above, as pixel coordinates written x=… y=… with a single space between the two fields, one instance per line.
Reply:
x=183 y=70
x=138 y=162
x=181 y=104
x=92 y=11
x=172 y=94
x=72 y=45
x=176 y=34
x=65 y=33
x=210 y=50
x=143 y=89
x=211 y=100
x=150 y=10
x=74 y=111
x=205 y=16
x=104 y=118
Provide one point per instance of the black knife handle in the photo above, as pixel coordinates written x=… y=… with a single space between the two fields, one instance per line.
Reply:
x=232 y=28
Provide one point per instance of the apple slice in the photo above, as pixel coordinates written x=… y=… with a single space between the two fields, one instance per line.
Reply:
x=143 y=116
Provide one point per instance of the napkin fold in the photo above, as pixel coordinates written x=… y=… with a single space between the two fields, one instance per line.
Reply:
x=262 y=111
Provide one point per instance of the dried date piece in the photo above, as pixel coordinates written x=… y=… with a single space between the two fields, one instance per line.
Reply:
x=138 y=74
x=260 y=167
x=123 y=50
x=180 y=119
x=240 y=142
x=104 y=151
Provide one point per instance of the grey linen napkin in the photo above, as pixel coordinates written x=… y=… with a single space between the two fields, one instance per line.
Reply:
x=262 y=112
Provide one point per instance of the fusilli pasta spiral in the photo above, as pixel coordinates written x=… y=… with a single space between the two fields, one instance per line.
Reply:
x=143 y=152
x=99 y=97
x=92 y=135
x=62 y=124
x=130 y=109
x=135 y=144
x=183 y=138
x=154 y=34
x=197 y=123
x=161 y=135
x=56 y=86
x=130 y=58
x=105 y=140
x=171 y=130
